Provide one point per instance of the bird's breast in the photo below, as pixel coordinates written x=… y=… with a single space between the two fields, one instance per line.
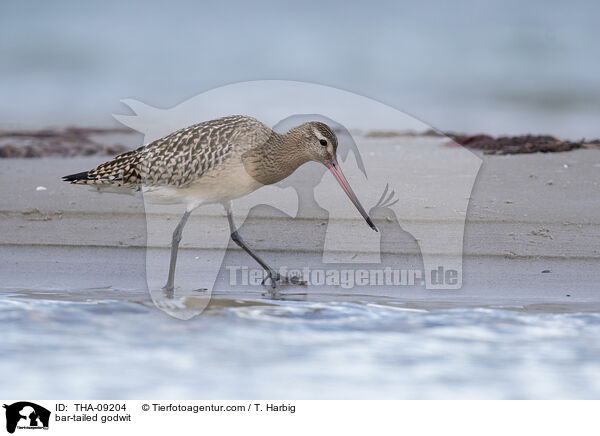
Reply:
x=224 y=183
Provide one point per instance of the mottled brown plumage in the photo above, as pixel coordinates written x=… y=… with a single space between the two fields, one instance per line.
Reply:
x=184 y=156
x=180 y=157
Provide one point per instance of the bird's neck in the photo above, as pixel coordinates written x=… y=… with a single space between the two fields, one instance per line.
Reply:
x=276 y=159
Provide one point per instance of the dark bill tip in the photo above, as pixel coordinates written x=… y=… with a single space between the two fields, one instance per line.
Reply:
x=335 y=169
x=372 y=224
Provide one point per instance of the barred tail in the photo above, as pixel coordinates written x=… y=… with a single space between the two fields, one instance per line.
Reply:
x=77 y=178
x=122 y=170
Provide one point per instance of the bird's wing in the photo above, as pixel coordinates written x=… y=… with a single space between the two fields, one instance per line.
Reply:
x=180 y=158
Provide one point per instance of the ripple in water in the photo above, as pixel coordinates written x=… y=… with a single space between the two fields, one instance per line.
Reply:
x=121 y=349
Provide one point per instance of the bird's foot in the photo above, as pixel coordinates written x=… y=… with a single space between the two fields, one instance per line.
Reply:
x=169 y=291
x=293 y=280
x=275 y=278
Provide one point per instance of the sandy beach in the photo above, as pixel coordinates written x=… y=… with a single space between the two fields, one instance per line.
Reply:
x=531 y=237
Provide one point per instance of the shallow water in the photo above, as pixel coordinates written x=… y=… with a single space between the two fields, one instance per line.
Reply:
x=271 y=348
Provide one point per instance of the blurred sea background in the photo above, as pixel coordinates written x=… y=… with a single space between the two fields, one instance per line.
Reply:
x=501 y=67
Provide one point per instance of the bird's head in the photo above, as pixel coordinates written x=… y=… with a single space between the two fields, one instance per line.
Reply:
x=317 y=140
x=319 y=144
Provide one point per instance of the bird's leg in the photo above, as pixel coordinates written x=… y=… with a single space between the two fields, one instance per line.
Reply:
x=237 y=238
x=174 y=248
x=273 y=275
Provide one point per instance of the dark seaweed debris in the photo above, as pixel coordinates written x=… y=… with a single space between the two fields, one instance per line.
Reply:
x=516 y=144
x=82 y=141
x=497 y=145
x=70 y=141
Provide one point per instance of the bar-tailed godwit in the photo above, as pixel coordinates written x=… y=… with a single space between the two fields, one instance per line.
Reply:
x=215 y=162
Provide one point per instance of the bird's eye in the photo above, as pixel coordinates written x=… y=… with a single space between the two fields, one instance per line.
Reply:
x=323 y=142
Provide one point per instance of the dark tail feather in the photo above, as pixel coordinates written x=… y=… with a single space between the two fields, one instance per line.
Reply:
x=75 y=177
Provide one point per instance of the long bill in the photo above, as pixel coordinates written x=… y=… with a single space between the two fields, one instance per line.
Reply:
x=335 y=169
